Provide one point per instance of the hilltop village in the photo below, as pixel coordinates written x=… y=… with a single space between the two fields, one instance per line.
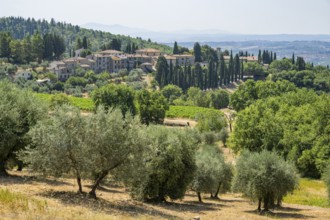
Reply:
x=113 y=60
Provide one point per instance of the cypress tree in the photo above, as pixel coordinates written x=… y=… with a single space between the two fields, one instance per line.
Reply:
x=237 y=67
x=175 y=48
x=162 y=71
x=293 y=59
x=84 y=43
x=231 y=67
x=222 y=70
x=259 y=56
x=275 y=56
x=170 y=74
x=271 y=57
x=242 y=70
x=198 y=52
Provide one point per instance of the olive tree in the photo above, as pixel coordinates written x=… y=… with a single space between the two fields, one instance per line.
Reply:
x=20 y=110
x=111 y=142
x=264 y=176
x=56 y=147
x=213 y=174
x=168 y=165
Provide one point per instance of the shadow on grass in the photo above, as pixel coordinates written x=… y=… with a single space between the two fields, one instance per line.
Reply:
x=129 y=207
x=209 y=198
x=281 y=213
x=194 y=207
x=104 y=189
x=26 y=179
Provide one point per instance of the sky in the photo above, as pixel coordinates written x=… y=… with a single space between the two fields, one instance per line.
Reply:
x=231 y=16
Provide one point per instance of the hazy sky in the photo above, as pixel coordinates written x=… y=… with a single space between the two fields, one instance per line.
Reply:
x=235 y=16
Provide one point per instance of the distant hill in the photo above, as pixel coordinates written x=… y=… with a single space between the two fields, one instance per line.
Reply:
x=20 y=28
x=317 y=52
x=201 y=35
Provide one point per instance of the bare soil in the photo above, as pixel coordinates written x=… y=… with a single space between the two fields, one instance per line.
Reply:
x=114 y=202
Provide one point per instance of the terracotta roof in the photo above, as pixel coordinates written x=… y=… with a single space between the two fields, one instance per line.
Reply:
x=148 y=50
x=110 y=52
x=184 y=55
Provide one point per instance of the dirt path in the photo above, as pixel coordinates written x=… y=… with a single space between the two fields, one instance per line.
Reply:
x=114 y=202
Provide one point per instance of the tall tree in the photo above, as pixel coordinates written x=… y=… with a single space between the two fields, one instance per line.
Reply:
x=237 y=67
x=85 y=43
x=20 y=111
x=48 y=46
x=175 y=48
x=78 y=43
x=5 y=39
x=162 y=71
x=198 y=52
x=37 y=47
x=293 y=59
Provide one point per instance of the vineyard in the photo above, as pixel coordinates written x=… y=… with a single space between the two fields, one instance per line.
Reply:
x=85 y=104
x=187 y=111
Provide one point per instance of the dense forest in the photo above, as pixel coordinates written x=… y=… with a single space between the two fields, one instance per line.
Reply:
x=20 y=28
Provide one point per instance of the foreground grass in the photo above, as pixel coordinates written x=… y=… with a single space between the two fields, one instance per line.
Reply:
x=311 y=193
x=85 y=104
x=186 y=111
x=16 y=202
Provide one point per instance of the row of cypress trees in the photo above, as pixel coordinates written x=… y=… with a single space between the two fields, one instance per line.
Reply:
x=207 y=75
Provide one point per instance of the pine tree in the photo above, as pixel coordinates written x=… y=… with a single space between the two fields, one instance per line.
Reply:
x=5 y=39
x=128 y=48
x=37 y=47
x=175 y=48
x=78 y=44
x=301 y=63
x=48 y=46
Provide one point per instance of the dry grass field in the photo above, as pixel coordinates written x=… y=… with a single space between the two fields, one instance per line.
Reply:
x=23 y=196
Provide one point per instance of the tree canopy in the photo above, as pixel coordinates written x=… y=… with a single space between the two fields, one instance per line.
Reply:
x=264 y=176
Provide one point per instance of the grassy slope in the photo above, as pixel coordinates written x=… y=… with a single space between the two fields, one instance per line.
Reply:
x=25 y=197
x=310 y=192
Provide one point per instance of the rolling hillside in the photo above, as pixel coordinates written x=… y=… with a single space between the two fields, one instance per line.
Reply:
x=20 y=27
